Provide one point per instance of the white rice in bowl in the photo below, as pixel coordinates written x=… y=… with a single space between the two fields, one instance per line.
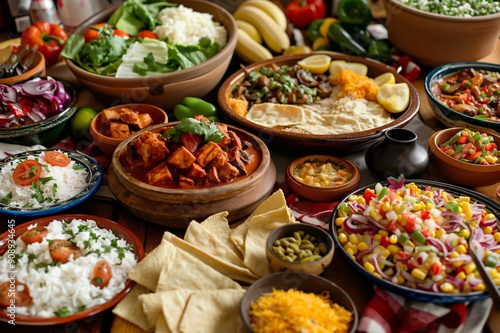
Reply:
x=184 y=26
x=66 y=183
x=63 y=289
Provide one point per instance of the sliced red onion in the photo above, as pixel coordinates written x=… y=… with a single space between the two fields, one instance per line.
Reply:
x=39 y=88
x=7 y=94
x=473 y=281
x=459 y=284
x=441 y=247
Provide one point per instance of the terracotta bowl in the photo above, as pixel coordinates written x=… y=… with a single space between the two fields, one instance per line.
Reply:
x=37 y=69
x=448 y=116
x=307 y=283
x=322 y=193
x=121 y=231
x=414 y=32
x=317 y=266
x=335 y=143
x=458 y=172
x=108 y=144
x=164 y=90
x=175 y=208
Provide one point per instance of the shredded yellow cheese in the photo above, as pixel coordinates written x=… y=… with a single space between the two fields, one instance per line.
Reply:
x=294 y=311
x=356 y=85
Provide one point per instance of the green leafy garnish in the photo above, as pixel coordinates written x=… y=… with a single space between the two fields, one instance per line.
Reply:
x=77 y=166
x=207 y=131
x=37 y=192
x=63 y=312
x=6 y=200
x=45 y=180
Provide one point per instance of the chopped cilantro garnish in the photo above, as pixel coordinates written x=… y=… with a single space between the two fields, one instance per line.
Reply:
x=63 y=312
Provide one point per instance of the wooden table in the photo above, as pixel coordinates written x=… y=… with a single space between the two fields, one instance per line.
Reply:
x=150 y=234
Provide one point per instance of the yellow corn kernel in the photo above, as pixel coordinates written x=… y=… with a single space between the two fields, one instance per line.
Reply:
x=429 y=206
x=382 y=232
x=496 y=235
x=480 y=287
x=461 y=249
x=369 y=267
x=419 y=273
x=488 y=230
x=446 y=287
x=393 y=248
x=339 y=221
x=354 y=248
x=461 y=276
x=497 y=281
x=361 y=200
x=440 y=232
x=374 y=214
x=386 y=253
x=410 y=243
x=464 y=233
x=349 y=251
x=377 y=237
x=378 y=248
x=470 y=267
x=393 y=239
x=342 y=238
x=353 y=238
x=400 y=279
x=491 y=159
x=362 y=246
x=494 y=273
x=377 y=275
x=418 y=206
x=489 y=216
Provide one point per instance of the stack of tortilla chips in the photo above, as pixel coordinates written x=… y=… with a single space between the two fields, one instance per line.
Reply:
x=195 y=284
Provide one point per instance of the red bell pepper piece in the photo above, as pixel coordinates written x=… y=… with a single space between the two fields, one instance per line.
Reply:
x=50 y=39
x=302 y=12
x=15 y=109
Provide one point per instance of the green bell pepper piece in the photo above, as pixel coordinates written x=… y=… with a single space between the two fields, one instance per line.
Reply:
x=355 y=13
x=343 y=40
x=313 y=30
x=193 y=106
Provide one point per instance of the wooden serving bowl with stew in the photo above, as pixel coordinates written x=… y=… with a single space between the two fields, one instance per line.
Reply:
x=176 y=203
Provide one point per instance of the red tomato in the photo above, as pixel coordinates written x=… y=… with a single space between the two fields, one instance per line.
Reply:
x=102 y=274
x=56 y=158
x=18 y=296
x=121 y=34
x=27 y=172
x=34 y=235
x=61 y=250
x=92 y=32
x=147 y=34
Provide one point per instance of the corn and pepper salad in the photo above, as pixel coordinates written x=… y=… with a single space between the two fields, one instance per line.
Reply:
x=418 y=237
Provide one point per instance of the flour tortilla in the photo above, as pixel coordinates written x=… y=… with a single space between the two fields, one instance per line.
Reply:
x=131 y=310
x=271 y=114
x=200 y=237
x=147 y=271
x=218 y=225
x=191 y=273
x=215 y=311
x=234 y=272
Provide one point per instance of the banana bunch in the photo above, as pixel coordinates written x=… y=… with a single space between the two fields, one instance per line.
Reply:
x=261 y=29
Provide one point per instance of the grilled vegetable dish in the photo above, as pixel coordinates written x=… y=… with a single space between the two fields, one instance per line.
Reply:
x=472 y=92
x=195 y=153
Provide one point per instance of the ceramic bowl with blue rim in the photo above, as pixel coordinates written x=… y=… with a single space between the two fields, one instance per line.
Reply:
x=44 y=132
x=420 y=262
x=465 y=114
x=48 y=181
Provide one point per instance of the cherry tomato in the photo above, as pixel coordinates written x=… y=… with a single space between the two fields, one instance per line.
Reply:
x=56 y=158
x=102 y=274
x=61 y=250
x=27 y=172
x=34 y=235
x=147 y=34
x=92 y=32
x=19 y=295
x=121 y=33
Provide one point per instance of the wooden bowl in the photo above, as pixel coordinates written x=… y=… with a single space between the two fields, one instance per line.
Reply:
x=319 y=143
x=37 y=69
x=307 y=283
x=458 y=172
x=322 y=193
x=316 y=267
x=176 y=208
x=108 y=144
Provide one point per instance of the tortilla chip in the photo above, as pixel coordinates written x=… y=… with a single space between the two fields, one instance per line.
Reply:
x=200 y=237
x=215 y=311
x=147 y=271
x=275 y=201
x=152 y=305
x=191 y=273
x=218 y=225
x=234 y=272
x=131 y=310
x=271 y=114
x=174 y=303
x=259 y=228
x=161 y=325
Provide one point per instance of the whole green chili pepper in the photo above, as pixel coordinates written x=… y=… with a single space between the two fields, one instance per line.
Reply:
x=193 y=106
x=340 y=37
